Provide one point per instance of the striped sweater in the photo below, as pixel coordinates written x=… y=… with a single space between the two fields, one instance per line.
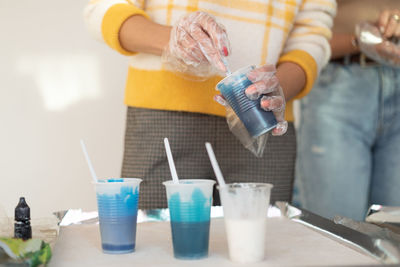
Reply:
x=260 y=32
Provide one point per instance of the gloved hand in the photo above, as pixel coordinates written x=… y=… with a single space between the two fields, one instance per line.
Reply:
x=197 y=43
x=380 y=42
x=389 y=23
x=266 y=84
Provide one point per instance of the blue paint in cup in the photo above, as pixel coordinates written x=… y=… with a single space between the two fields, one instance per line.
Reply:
x=189 y=204
x=256 y=120
x=117 y=201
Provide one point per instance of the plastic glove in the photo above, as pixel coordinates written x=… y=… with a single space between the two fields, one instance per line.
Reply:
x=196 y=46
x=266 y=84
x=389 y=23
x=236 y=126
x=375 y=46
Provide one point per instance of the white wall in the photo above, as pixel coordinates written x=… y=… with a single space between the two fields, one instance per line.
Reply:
x=58 y=85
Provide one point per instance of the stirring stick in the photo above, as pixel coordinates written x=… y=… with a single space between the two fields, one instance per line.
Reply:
x=171 y=162
x=92 y=172
x=228 y=71
x=224 y=61
x=215 y=165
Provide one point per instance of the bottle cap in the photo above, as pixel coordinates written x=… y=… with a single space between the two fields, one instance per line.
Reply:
x=22 y=211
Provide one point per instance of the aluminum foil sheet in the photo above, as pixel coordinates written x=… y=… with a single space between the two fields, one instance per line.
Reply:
x=385 y=216
x=380 y=243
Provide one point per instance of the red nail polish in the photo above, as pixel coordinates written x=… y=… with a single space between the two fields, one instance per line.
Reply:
x=225 y=50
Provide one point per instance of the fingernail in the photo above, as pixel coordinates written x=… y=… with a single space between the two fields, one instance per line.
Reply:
x=225 y=51
x=265 y=105
x=276 y=132
x=382 y=29
x=219 y=100
x=279 y=130
x=250 y=89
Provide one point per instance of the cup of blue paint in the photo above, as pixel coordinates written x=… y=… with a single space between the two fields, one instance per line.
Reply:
x=256 y=120
x=117 y=202
x=189 y=203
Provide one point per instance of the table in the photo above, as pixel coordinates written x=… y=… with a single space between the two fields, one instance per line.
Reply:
x=288 y=244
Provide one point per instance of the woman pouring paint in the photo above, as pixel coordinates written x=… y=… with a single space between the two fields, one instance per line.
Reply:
x=179 y=50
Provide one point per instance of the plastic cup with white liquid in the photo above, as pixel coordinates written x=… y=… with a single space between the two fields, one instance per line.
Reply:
x=245 y=214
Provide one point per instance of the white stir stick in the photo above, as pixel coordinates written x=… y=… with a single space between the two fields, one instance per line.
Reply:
x=92 y=172
x=215 y=165
x=171 y=161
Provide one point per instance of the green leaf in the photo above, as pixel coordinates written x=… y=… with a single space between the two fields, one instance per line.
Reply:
x=35 y=252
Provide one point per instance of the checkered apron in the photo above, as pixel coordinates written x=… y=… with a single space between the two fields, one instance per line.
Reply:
x=145 y=157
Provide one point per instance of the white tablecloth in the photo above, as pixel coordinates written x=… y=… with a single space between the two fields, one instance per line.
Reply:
x=288 y=244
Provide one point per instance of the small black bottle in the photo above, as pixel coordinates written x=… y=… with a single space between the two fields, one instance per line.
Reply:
x=22 y=226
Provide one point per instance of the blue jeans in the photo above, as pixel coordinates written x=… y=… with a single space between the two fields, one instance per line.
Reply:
x=348 y=142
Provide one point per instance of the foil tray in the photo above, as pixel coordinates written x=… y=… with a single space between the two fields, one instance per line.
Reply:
x=375 y=237
x=380 y=243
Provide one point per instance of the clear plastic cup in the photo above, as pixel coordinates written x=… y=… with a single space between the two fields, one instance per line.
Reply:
x=256 y=120
x=117 y=201
x=189 y=204
x=245 y=214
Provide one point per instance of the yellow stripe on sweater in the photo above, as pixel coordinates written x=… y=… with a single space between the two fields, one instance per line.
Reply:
x=192 y=5
x=255 y=7
x=244 y=19
x=264 y=53
x=166 y=91
x=321 y=2
x=278 y=14
x=313 y=31
x=169 y=11
x=288 y=17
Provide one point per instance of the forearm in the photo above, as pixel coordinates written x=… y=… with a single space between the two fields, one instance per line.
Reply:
x=292 y=79
x=342 y=44
x=138 y=34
